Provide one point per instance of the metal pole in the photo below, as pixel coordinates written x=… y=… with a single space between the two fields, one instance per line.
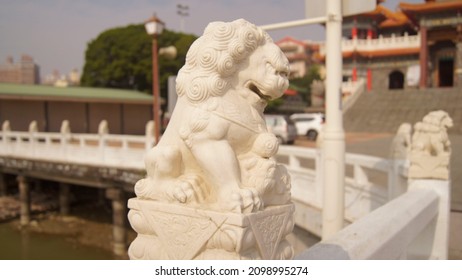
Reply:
x=155 y=89
x=294 y=23
x=334 y=135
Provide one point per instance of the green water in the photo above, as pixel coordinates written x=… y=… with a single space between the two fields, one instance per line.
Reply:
x=25 y=245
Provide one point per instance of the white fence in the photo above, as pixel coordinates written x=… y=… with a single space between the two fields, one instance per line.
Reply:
x=103 y=149
x=376 y=189
x=370 y=183
x=378 y=44
x=412 y=226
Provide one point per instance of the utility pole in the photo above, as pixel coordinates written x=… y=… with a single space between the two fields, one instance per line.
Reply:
x=334 y=135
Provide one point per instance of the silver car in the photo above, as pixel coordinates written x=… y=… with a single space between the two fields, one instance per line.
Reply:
x=283 y=127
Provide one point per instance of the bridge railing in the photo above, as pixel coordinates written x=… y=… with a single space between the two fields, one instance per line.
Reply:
x=376 y=189
x=411 y=226
x=370 y=183
x=102 y=149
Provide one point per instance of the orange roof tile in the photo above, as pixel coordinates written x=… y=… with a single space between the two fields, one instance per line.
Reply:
x=395 y=20
x=290 y=39
x=430 y=7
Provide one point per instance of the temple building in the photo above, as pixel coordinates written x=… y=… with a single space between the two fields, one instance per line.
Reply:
x=301 y=55
x=416 y=46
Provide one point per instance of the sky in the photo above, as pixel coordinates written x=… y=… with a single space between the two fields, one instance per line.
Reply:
x=56 y=32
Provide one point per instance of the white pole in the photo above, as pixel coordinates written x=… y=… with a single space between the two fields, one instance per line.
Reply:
x=334 y=136
x=294 y=23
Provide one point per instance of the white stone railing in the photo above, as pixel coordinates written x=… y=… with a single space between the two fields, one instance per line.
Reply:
x=375 y=189
x=363 y=192
x=378 y=44
x=414 y=225
x=351 y=90
x=370 y=183
x=103 y=149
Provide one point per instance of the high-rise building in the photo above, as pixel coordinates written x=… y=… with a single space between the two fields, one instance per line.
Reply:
x=24 y=72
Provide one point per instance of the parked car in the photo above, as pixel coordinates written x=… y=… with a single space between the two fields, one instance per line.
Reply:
x=309 y=124
x=283 y=127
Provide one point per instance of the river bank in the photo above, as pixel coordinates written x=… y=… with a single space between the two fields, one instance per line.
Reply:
x=86 y=231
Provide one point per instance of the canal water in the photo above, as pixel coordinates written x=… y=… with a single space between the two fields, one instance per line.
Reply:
x=25 y=245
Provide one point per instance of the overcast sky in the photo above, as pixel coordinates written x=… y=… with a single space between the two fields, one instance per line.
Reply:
x=56 y=32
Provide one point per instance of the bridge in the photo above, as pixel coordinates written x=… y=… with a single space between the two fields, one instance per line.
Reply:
x=377 y=190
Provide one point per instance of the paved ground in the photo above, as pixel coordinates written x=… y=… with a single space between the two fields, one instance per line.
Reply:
x=378 y=144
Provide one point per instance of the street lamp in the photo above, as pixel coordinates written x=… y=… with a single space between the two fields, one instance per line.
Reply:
x=154 y=27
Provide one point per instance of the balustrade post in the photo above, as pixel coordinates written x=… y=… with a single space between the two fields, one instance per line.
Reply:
x=65 y=131
x=319 y=169
x=24 y=199
x=6 y=129
x=397 y=184
x=119 y=209
x=149 y=134
x=434 y=239
x=103 y=131
x=64 y=199
x=33 y=129
x=294 y=162
x=360 y=176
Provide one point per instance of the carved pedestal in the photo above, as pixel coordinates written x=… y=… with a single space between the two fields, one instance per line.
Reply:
x=169 y=231
x=429 y=167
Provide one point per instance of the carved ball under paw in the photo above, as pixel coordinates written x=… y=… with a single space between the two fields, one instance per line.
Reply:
x=266 y=145
x=141 y=188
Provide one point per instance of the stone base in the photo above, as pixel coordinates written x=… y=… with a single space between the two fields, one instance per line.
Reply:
x=174 y=232
x=429 y=167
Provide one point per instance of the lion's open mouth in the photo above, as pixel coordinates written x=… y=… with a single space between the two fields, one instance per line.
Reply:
x=254 y=88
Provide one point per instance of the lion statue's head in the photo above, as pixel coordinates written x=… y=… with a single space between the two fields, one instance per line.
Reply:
x=233 y=56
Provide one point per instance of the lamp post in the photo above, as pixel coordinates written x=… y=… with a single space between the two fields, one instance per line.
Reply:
x=154 y=27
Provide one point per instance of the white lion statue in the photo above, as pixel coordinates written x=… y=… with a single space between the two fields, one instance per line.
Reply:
x=430 y=135
x=431 y=148
x=216 y=151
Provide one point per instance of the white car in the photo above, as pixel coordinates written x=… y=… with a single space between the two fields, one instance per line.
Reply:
x=309 y=124
x=283 y=127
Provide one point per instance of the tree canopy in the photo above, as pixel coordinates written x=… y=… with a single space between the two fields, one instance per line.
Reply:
x=303 y=85
x=122 y=58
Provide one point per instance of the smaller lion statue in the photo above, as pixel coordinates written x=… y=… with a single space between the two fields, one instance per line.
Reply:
x=216 y=152
x=431 y=148
x=430 y=135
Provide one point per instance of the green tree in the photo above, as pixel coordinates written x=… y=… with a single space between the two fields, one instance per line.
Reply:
x=122 y=58
x=303 y=85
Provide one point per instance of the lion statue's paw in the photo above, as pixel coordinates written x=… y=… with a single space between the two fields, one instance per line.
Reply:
x=245 y=201
x=188 y=189
x=259 y=173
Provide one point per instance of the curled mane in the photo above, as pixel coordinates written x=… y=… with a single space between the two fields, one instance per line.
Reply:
x=214 y=58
